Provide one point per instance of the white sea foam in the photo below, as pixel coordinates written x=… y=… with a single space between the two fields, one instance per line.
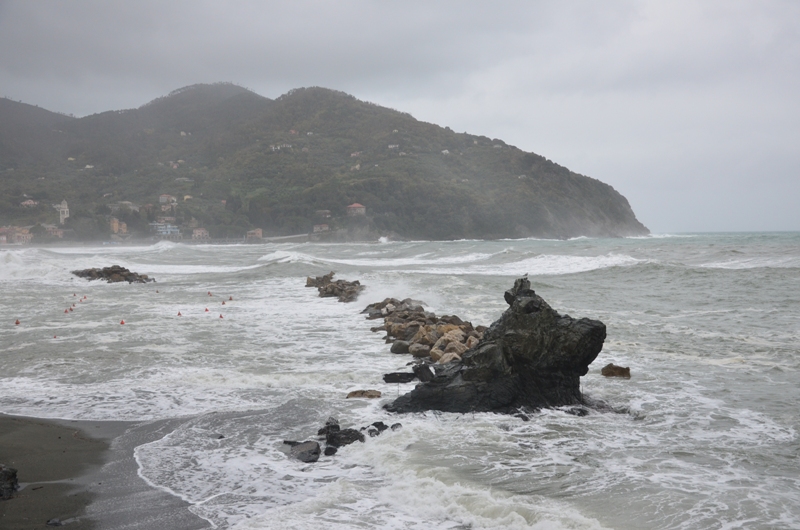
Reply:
x=785 y=262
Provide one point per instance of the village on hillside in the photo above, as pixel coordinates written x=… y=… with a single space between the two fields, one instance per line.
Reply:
x=164 y=226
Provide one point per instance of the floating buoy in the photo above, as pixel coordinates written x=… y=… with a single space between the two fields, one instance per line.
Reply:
x=220 y=316
x=85 y=297
x=179 y=314
x=156 y=290
x=223 y=302
x=55 y=337
x=66 y=311
x=230 y=298
x=79 y=301
x=17 y=322
x=73 y=305
x=209 y=293
x=70 y=310
x=206 y=310
x=122 y=322
x=73 y=294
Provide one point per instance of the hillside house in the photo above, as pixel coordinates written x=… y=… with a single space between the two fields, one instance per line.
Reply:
x=323 y=214
x=355 y=154
x=166 y=198
x=394 y=146
x=30 y=203
x=54 y=231
x=356 y=209
x=254 y=235
x=117 y=226
x=321 y=228
x=200 y=234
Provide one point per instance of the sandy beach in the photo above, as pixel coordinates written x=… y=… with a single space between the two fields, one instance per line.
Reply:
x=50 y=458
x=83 y=473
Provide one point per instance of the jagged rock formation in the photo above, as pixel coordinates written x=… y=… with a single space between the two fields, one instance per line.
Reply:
x=531 y=357
x=113 y=274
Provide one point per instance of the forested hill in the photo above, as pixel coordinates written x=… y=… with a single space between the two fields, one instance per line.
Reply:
x=247 y=161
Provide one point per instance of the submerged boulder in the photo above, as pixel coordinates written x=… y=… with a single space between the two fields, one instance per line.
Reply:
x=344 y=290
x=530 y=357
x=612 y=370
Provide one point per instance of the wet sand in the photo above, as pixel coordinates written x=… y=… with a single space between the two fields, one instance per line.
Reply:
x=84 y=474
x=49 y=458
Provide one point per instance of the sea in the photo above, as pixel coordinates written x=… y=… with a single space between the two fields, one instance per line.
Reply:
x=704 y=435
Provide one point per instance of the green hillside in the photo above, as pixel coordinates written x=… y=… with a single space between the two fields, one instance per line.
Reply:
x=275 y=163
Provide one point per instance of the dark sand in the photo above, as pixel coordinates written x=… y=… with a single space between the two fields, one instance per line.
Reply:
x=84 y=474
x=49 y=458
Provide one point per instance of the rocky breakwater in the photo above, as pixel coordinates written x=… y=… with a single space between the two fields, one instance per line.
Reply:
x=413 y=330
x=112 y=274
x=344 y=290
x=531 y=357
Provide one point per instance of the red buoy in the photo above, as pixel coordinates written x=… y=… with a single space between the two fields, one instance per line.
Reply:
x=73 y=305
x=17 y=322
x=206 y=310
x=156 y=290
x=220 y=316
x=85 y=297
x=179 y=314
x=209 y=293
x=66 y=311
x=223 y=302
x=230 y=298
x=70 y=309
x=73 y=294
x=122 y=322
x=55 y=337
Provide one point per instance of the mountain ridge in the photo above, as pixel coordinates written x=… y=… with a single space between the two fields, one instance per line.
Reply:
x=275 y=163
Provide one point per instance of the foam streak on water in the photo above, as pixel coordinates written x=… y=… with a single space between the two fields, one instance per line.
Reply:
x=708 y=323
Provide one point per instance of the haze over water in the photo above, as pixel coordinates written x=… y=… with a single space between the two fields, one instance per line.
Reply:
x=708 y=323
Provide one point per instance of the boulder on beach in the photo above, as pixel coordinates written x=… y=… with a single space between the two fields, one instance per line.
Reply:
x=8 y=482
x=612 y=370
x=113 y=274
x=344 y=290
x=530 y=357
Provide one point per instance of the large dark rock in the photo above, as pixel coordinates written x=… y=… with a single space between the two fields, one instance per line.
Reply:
x=113 y=274
x=343 y=437
x=530 y=357
x=8 y=482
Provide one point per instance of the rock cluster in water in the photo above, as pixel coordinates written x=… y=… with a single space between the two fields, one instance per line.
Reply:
x=413 y=330
x=334 y=437
x=612 y=370
x=8 y=482
x=344 y=290
x=531 y=357
x=112 y=274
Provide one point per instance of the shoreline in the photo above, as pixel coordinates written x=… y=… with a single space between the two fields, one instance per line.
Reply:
x=84 y=474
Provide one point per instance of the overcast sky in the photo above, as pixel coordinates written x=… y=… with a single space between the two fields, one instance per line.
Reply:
x=689 y=109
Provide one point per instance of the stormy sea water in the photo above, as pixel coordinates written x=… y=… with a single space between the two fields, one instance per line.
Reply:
x=706 y=435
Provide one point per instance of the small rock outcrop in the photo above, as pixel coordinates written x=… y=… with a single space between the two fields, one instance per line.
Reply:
x=371 y=394
x=612 y=370
x=8 y=482
x=344 y=290
x=530 y=357
x=113 y=274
